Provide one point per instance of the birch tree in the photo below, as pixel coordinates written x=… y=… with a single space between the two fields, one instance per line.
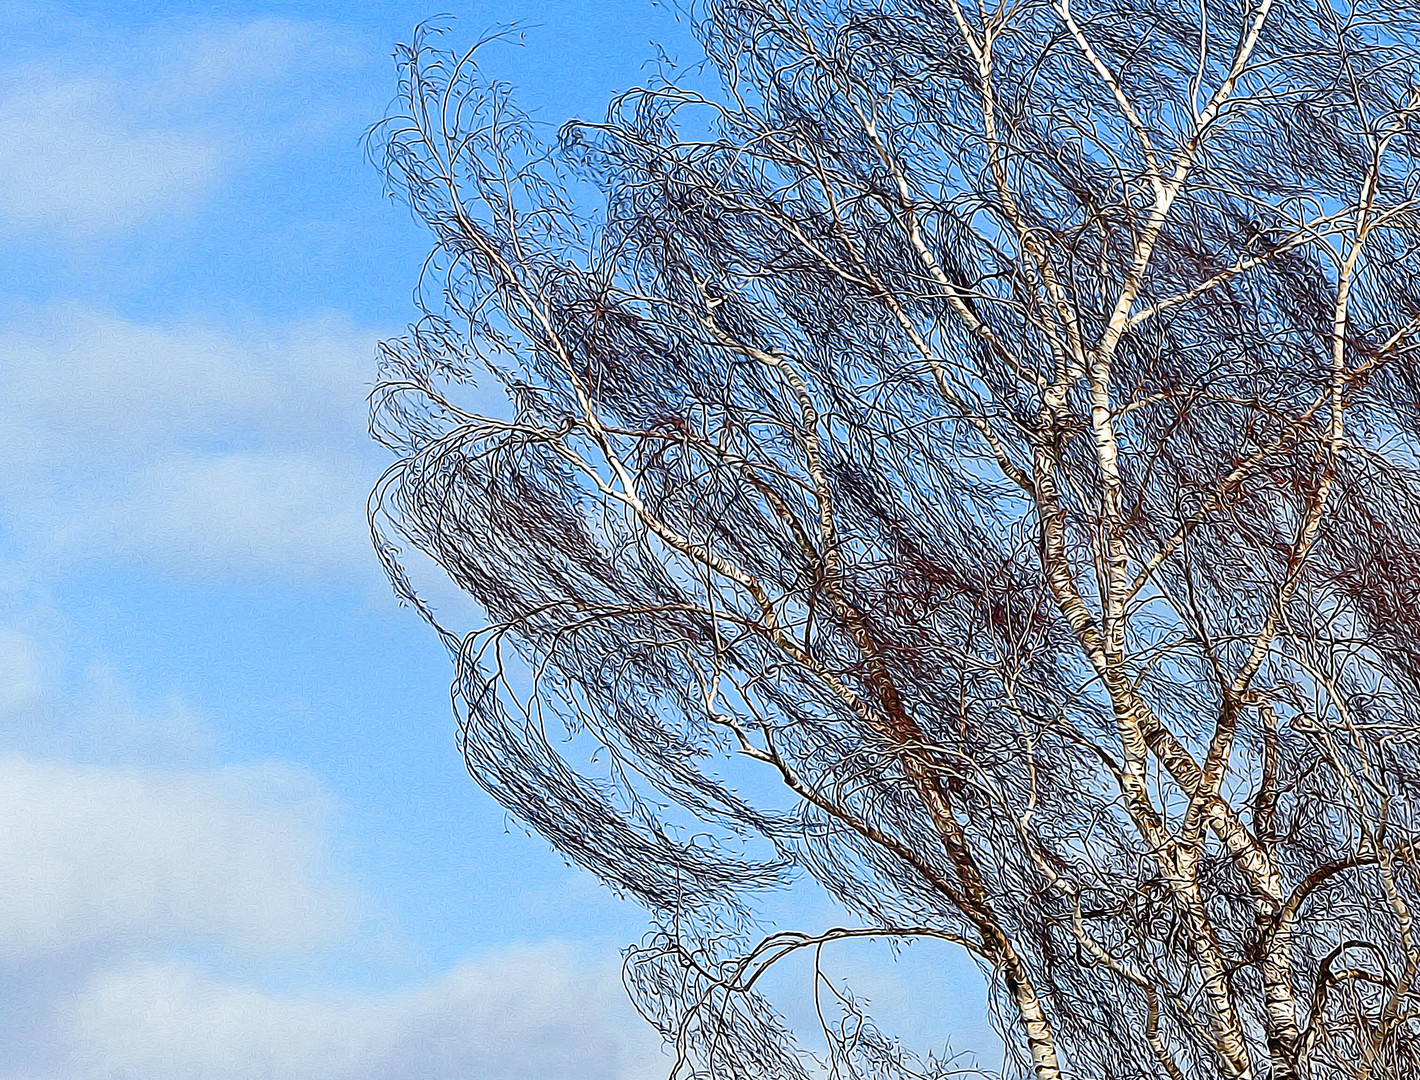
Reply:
x=962 y=456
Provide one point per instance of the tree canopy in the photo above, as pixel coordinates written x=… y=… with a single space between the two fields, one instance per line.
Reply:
x=967 y=455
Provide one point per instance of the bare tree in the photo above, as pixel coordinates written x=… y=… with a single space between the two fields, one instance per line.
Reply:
x=969 y=457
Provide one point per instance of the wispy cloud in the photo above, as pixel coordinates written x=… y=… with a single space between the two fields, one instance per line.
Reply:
x=202 y=449
x=283 y=513
x=96 y=145
x=71 y=158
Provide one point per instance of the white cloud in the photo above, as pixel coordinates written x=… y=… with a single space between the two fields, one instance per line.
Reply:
x=204 y=449
x=197 y=449
x=282 y=514
x=154 y=920
x=113 y=858
x=84 y=387
x=112 y=874
x=71 y=158
x=93 y=148
x=528 y=1012
x=204 y=61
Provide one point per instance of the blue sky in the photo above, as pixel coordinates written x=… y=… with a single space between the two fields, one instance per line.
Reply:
x=238 y=840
